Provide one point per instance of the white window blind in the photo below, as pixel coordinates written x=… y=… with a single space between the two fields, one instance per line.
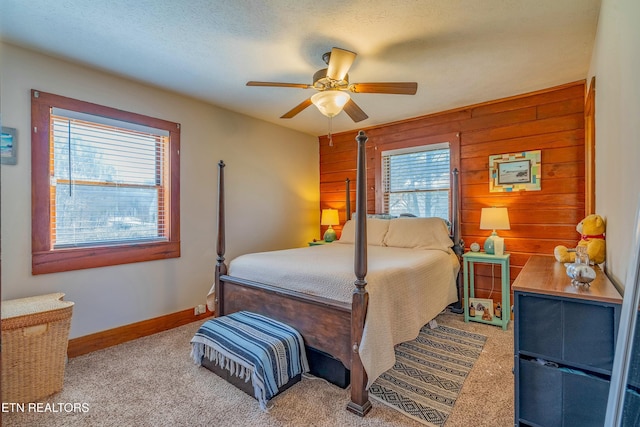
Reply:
x=417 y=181
x=108 y=181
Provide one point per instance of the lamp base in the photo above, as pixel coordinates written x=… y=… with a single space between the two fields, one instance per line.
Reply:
x=498 y=245
x=489 y=246
x=494 y=245
x=330 y=235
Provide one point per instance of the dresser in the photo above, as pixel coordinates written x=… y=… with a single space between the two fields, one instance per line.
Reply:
x=564 y=342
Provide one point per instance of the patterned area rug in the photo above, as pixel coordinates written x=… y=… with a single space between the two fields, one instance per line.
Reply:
x=429 y=373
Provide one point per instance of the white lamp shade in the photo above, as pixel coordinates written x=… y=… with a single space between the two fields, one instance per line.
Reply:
x=330 y=102
x=329 y=217
x=494 y=219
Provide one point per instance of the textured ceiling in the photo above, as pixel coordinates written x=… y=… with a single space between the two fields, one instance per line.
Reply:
x=460 y=52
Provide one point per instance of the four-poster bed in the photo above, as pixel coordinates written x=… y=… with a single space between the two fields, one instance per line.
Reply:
x=337 y=326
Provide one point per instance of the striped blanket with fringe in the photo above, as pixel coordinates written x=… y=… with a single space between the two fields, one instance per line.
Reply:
x=253 y=347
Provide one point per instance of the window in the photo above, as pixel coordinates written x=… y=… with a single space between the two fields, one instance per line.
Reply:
x=417 y=180
x=105 y=186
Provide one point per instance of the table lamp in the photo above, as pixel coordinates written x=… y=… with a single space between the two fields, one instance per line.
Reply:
x=329 y=217
x=494 y=219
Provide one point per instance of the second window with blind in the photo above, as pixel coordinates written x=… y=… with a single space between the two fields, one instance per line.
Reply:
x=106 y=185
x=417 y=180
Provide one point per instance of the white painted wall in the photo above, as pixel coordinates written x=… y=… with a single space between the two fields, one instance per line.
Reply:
x=272 y=180
x=616 y=64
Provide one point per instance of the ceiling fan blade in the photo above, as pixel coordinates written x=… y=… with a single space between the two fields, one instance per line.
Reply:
x=339 y=63
x=276 y=84
x=355 y=112
x=398 y=88
x=295 y=110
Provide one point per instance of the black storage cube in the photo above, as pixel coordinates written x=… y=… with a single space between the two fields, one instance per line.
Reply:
x=631 y=411
x=585 y=400
x=541 y=314
x=589 y=335
x=540 y=390
x=553 y=397
x=634 y=367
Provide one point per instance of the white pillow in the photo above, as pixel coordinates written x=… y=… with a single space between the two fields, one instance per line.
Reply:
x=348 y=232
x=376 y=231
x=418 y=233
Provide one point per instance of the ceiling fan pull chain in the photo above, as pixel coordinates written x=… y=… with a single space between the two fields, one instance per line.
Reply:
x=330 y=137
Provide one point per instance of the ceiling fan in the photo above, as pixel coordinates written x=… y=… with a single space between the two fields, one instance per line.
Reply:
x=332 y=84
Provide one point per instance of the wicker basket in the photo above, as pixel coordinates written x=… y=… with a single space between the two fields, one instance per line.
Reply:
x=35 y=333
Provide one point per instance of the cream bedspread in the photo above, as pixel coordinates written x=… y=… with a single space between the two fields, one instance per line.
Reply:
x=407 y=288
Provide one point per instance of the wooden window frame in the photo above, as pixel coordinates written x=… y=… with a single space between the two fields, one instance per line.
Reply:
x=45 y=259
x=454 y=158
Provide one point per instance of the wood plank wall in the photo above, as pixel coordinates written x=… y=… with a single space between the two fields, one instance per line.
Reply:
x=550 y=120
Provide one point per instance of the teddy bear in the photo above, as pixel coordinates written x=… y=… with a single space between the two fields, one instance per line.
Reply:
x=591 y=230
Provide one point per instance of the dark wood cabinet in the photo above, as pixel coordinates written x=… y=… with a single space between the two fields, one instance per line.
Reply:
x=564 y=344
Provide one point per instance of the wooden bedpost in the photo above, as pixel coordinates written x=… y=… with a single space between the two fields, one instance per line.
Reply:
x=360 y=403
x=221 y=267
x=348 y=198
x=458 y=243
x=455 y=207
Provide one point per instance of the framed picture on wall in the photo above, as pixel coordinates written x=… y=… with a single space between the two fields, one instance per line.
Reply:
x=8 y=146
x=514 y=172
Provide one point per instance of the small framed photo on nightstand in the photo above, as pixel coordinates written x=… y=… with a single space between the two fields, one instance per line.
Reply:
x=483 y=308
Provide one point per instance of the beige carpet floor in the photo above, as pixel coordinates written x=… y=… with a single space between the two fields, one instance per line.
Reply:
x=153 y=382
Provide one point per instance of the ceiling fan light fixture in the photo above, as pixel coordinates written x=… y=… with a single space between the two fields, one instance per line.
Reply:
x=330 y=102
x=332 y=83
